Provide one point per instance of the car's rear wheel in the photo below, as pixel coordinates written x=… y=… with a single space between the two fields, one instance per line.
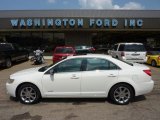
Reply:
x=29 y=94
x=8 y=63
x=153 y=63
x=121 y=94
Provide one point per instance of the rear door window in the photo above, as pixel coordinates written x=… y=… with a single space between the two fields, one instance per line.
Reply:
x=100 y=64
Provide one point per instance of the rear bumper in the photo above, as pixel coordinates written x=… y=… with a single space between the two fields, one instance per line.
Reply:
x=135 y=60
x=144 y=88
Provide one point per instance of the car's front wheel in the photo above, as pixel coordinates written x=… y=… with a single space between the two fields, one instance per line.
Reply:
x=28 y=94
x=121 y=94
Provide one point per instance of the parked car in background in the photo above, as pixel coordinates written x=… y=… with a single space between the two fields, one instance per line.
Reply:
x=153 y=58
x=10 y=53
x=131 y=52
x=102 y=48
x=62 y=52
x=84 y=49
x=83 y=76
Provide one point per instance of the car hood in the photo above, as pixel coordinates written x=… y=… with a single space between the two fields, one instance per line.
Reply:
x=26 y=72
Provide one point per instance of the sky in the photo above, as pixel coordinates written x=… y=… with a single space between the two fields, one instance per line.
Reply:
x=79 y=4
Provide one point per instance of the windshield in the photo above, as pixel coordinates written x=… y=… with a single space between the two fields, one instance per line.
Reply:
x=44 y=68
x=64 y=50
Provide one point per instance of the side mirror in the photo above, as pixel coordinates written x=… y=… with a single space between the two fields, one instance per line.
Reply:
x=51 y=72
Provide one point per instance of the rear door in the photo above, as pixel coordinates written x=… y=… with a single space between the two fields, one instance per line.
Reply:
x=99 y=73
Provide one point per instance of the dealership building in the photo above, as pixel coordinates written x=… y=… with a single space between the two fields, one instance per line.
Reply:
x=50 y=28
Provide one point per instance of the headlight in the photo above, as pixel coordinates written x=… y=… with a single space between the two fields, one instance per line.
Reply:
x=10 y=80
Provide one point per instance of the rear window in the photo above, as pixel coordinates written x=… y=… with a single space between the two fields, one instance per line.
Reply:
x=131 y=64
x=64 y=50
x=132 y=47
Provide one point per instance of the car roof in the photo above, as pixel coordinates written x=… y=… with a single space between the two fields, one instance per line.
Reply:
x=90 y=55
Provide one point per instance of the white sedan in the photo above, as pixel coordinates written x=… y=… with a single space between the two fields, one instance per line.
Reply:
x=86 y=76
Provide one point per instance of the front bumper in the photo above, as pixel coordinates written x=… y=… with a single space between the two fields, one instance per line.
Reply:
x=11 y=89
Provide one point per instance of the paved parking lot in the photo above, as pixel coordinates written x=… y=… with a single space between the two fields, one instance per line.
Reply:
x=142 y=108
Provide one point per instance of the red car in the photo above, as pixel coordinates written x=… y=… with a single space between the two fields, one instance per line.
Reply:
x=62 y=52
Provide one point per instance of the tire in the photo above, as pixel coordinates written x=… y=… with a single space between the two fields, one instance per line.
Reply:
x=8 y=63
x=153 y=63
x=121 y=94
x=29 y=94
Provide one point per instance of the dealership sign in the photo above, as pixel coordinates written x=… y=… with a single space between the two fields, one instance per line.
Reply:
x=75 y=23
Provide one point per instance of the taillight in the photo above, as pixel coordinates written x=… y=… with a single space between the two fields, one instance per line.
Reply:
x=148 y=72
x=158 y=57
x=122 y=53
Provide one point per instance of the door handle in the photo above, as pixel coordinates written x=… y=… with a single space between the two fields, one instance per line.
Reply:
x=112 y=75
x=74 y=77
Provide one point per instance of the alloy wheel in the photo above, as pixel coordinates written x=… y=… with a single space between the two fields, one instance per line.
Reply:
x=122 y=94
x=28 y=94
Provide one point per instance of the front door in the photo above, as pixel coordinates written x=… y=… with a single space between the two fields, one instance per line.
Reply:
x=65 y=80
